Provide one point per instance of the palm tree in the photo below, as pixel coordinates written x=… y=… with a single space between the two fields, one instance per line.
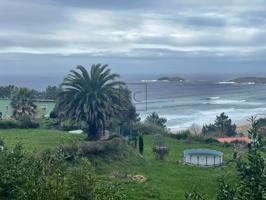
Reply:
x=22 y=103
x=91 y=97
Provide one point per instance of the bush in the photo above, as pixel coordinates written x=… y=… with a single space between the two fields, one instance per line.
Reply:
x=49 y=123
x=69 y=125
x=2 y=143
x=181 y=135
x=98 y=147
x=53 y=115
x=159 y=148
x=50 y=176
x=211 y=141
x=160 y=151
x=27 y=122
x=150 y=129
x=141 y=144
x=7 y=124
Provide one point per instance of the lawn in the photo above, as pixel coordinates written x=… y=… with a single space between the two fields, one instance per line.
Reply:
x=36 y=140
x=168 y=179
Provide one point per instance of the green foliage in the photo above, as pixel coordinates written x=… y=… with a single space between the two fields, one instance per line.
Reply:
x=209 y=129
x=195 y=196
x=147 y=128
x=6 y=91
x=155 y=119
x=22 y=103
x=222 y=127
x=26 y=121
x=8 y=123
x=181 y=135
x=93 y=97
x=23 y=122
x=2 y=143
x=251 y=170
x=53 y=115
x=159 y=147
x=141 y=144
x=49 y=176
x=114 y=145
x=225 y=192
x=51 y=92
x=225 y=126
x=69 y=125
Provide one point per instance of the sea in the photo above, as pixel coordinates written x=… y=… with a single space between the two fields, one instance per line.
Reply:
x=198 y=100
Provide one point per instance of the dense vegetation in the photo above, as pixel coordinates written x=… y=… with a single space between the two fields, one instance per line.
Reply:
x=251 y=173
x=222 y=127
x=119 y=156
x=50 y=93
x=93 y=98
x=166 y=180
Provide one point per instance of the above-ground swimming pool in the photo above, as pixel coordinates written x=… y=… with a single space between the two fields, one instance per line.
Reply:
x=203 y=157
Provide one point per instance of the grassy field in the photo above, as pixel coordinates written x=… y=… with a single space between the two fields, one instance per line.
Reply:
x=36 y=140
x=168 y=179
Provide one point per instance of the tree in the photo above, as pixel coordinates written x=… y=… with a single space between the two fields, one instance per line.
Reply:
x=195 y=129
x=6 y=91
x=155 y=119
x=51 y=92
x=91 y=97
x=141 y=144
x=251 y=170
x=224 y=125
x=22 y=103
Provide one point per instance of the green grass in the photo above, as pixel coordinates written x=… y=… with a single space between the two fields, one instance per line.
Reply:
x=37 y=139
x=170 y=179
x=167 y=180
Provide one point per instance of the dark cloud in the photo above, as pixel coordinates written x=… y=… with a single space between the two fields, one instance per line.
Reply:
x=57 y=33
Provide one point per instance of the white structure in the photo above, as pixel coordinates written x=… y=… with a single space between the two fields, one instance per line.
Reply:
x=203 y=157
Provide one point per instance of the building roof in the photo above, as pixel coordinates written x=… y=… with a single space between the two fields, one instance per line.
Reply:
x=233 y=139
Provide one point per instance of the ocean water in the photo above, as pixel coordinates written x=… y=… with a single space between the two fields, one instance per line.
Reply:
x=198 y=100
x=183 y=104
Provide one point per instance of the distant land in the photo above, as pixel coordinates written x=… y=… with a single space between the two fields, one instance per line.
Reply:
x=172 y=79
x=256 y=80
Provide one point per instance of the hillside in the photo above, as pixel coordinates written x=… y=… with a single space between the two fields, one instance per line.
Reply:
x=166 y=180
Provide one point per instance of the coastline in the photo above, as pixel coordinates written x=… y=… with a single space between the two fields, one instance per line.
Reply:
x=242 y=127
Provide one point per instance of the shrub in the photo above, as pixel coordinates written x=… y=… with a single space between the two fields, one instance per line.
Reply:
x=160 y=151
x=98 y=147
x=50 y=176
x=141 y=144
x=7 y=124
x=159 y=148
x=53 y=115
x=181 y=135
x=2 y=143
x=150 y=129
x=69 y=125
x=49 y=123
x=26 y=121
x=211 y=141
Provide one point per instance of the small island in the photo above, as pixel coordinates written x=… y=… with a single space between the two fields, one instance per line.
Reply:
x=253 y=80
x=171 y=79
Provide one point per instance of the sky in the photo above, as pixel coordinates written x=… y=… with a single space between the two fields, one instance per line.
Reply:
x=50 y=37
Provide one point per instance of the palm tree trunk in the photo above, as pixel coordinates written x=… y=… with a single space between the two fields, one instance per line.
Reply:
x=93 y=133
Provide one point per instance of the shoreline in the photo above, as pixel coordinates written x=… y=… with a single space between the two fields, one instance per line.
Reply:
x=242 y=127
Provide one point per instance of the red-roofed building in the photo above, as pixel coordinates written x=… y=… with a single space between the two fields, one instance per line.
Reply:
x=233 y=139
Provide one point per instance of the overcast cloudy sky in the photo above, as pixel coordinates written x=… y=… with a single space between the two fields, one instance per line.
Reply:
x=140 y=36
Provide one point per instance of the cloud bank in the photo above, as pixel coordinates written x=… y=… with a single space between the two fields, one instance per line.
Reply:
x=170 y=32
